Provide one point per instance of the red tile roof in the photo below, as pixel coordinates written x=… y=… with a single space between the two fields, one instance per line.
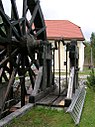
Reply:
x=57 y=29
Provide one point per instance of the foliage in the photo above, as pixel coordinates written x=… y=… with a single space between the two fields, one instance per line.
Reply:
x=92 y=40
x=86 y=71
x=91 y=80
x=87 y=53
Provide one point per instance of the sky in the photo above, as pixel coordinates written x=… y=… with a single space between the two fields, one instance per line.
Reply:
x=80 y=12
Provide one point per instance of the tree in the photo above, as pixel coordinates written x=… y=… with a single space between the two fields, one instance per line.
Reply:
x=87 y=52
x=92 y=40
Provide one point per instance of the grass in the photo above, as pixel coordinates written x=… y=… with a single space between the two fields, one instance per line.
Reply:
x=85 y=71
x=46 y=117
x=88 y=116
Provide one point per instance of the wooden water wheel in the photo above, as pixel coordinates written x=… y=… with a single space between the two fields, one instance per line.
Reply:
x=21 y=37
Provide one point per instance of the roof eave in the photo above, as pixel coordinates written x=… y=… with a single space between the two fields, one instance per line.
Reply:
x=66 y=39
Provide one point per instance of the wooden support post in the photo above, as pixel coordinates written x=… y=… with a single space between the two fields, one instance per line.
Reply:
x=44 y=83
x=67 y=65
x=37 y=82
x=59 y=67
x=22 y=82
x=53 y=54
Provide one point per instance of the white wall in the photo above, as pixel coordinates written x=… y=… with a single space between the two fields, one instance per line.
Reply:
x=63 y=56
x=81 y=55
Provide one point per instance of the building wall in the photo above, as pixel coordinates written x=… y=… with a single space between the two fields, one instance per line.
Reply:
x=63 y=56
x=81 y=55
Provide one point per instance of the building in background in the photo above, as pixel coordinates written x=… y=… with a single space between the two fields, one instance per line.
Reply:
x=58 y=29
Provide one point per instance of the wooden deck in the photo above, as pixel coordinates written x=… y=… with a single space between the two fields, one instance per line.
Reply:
x=52 y=100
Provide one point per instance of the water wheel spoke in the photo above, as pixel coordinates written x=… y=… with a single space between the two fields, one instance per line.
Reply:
x=16 y=16
x=8 y=23
x=5 y=77
x=33 y=16
x=1 y=72
x=8 y=69
x=2 y=52
x=24 y=15
x=1 y=5
x=40 y=31
x=29 y=27
x=31 y=72
x=5 y=60
x=4 y=41
x=16 y=58
x=2 y=33
x=11 y=81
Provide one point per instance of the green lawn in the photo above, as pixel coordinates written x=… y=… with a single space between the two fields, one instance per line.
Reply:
x=46 y=117
x=85 y=71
